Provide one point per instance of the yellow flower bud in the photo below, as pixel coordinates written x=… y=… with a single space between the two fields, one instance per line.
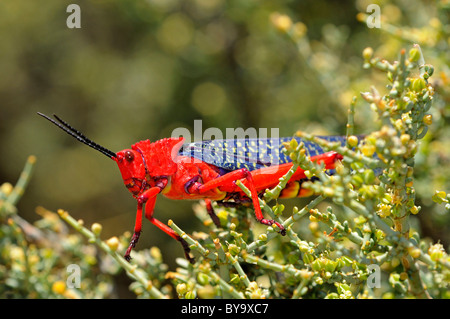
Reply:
x=328 y=191
x=367 y=53
x=181 y=289
x=96 y=229
x=368 y=150
x=262 y=237
x=418 y=84
x=405 y=138
x=113 y=243
x=414 y=54
x=59 y=287
x=281 y=21
x=6 y=188
x=414 y=210
x=439 y=197
x=428 y=119
x=299 y=30
x=436 y=252
x=414 y=252
x=395 y=262
x=313 y=226
x=352 y=141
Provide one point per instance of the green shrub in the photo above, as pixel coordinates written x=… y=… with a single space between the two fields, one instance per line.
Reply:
x=358 y=237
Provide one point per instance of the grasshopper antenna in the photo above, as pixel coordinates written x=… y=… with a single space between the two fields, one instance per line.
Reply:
x=78 y=135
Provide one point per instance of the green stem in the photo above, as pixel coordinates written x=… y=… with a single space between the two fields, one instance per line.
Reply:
x=243 y=276
x=351 y=118
x=137 y=274
x=275 y=192
x=194 y=244
x=289 y=269
x=22 y=183
x=225 y=287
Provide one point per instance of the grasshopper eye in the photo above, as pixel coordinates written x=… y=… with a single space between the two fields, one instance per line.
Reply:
x=129 y=156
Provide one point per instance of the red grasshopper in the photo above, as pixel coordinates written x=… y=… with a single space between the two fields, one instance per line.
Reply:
x=204 y=170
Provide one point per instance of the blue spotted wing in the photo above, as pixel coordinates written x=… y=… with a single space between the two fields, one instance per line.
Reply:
x=251 y=153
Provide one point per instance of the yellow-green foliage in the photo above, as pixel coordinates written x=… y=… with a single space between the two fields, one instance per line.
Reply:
x=366 y=223
x=359 y=236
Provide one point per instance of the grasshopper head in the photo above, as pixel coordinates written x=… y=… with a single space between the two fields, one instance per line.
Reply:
x=145 y=163
x=133 y=169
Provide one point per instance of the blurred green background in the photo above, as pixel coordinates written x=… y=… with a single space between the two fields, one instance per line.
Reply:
x=139 y=69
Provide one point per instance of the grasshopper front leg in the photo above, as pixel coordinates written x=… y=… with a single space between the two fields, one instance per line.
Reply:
x=149 y=199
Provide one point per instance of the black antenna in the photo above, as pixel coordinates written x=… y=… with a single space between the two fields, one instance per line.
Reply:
x=78 y=135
